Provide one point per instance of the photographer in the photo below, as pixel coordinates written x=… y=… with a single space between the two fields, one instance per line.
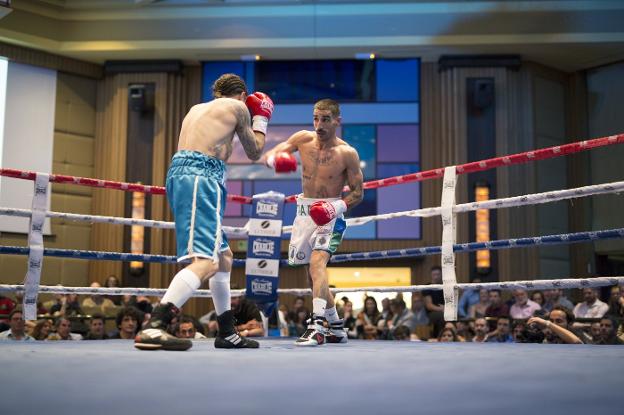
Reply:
x=557 y=328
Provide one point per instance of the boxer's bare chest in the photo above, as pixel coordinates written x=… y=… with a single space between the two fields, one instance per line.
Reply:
x=324 y=171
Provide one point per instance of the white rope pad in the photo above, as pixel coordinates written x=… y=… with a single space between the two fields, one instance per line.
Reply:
x=567 y=283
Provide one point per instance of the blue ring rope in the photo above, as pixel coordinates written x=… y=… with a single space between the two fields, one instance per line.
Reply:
x=566 y=238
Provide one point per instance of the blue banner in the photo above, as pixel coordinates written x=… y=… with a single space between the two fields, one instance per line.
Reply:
x=264 y=247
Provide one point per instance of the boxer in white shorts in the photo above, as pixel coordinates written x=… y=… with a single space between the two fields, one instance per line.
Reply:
x=307 y=236
x=327 y=165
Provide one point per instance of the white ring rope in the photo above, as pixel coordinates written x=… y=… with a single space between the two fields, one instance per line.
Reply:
x=230 y=230
x=566 y=283
x=530 y=199
x=536 y=198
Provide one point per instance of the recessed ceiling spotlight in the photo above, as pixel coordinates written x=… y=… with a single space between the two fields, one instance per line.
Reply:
x=365 y=56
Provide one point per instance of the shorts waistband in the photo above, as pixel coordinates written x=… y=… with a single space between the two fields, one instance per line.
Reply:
x=194 y=162
x=303 y=203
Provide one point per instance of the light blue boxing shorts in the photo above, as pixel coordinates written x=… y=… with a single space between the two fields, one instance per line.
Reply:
x=196 y=193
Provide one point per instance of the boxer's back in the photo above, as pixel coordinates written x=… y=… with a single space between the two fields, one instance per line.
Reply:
x=209 y=128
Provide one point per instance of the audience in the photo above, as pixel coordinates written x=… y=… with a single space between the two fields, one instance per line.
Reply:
x=249 y=319
x=62 y=327
x=557 y=329
x=502 y=333
x=616 y=301
x=6 y=306
x=16 y=331
x=478 y=310
x=481 y=329
x=186 y=329
x=113 y=282
x=523 y=308
x=594 y=332
x=99 y=302
x=401 y=316
x=419 y=312
x=127 y=321
x=66 y=305
x=497 y=307
x=401 y=333
x=464 y=330
x=349 y=320
x=540 y=319
x=538 y=297
x=448 y=334
x=434 y=302
x=468 y=298
x=96 y=328
x=555 y=297
x=42 y=329
x=607 y=333
x=368 y=320
x=519 y=327
x=591 y=307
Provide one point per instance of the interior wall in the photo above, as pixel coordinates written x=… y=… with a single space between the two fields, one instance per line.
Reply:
x=74 y=126
x=26 y=145
x=549 y=121
x=605 y=88
x=444 y=143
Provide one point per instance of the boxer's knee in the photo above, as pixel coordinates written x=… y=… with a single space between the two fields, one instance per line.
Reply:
x=318 y=264
x=226 y=258
x=204 y=268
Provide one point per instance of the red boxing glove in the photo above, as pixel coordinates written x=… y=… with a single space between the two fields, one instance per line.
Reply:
x=261 y=108
x=282 y=162
x=323 y=212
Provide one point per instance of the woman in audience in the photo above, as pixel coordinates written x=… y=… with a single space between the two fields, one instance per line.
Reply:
x=478 y=310
x=451 y=326
x=538 y=297
x=616 y=301
x=349 y=320
x=42 y=329
x=448 y=334
x=464 y=331
x=113 y=282
x=367 y=320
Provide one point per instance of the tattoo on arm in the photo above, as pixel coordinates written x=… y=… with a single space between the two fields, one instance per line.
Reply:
x=253 y=143
x=355 y=180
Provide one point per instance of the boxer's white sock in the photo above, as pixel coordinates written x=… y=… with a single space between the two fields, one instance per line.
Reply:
x=318 y=307
x=220 y=290
x=181 y=288
x=331 y=314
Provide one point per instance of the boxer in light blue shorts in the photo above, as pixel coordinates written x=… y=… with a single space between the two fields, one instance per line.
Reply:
x=197 y=195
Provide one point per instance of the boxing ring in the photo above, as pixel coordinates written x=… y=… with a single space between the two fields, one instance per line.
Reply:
x=362 y=377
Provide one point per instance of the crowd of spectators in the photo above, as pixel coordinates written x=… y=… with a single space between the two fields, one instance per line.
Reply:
x=485 y=316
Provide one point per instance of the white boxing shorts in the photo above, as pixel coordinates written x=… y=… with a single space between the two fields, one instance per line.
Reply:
x=306 y=236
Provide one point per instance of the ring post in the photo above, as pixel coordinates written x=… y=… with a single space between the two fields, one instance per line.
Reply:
x=35 y=244
x=449 y=235
x=264 y=250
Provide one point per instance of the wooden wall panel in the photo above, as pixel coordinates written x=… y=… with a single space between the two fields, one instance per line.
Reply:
x=581 y=255
x=47 y=60
x=173 y=98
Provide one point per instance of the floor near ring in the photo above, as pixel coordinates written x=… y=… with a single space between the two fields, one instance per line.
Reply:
x=362 y=377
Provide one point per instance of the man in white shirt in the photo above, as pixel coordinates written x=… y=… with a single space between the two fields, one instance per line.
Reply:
x=592 y=307
x=16 y=332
